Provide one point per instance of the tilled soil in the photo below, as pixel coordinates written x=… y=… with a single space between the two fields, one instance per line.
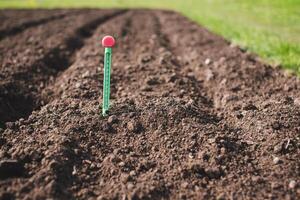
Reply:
x=192 y=116
x=13 y=22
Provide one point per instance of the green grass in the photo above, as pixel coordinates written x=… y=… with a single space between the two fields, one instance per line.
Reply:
x=270 y=28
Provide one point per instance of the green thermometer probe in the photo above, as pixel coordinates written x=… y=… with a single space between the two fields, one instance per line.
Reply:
x=107 y=42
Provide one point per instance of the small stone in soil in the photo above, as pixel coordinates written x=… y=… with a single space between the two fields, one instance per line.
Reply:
x=292 y=184
x=278 y=148
x=209 y=74
x=112 y=119
x=276 y=160
x=130 y=186
x=297 y=101
x=121 y=164
x=207 y=61
x=10 y=168
x=134 y=126
x=77 y=85
x=127 y=67
x=74 y=172
x=132 y=173
x=184 y=184
x=144 y=58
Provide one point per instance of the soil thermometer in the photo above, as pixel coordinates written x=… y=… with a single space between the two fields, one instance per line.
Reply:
x=107 y=42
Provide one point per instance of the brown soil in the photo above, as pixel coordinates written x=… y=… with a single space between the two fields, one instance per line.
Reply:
x=12 y=22
x=192 y=116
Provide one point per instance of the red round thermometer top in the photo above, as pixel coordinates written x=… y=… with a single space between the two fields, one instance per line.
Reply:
x=108 y=41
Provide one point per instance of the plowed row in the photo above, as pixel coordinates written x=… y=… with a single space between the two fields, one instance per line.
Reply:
x=192 y=116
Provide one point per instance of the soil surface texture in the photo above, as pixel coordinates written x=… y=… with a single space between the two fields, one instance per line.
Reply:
x=192 y=115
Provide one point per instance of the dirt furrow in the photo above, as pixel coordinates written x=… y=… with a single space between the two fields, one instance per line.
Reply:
x=9 y=29
x=65 y=154
x=21 y=88
x=11 y=18
x=258 y=100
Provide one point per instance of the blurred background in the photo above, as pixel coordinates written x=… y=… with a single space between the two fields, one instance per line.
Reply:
x=270 y=28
